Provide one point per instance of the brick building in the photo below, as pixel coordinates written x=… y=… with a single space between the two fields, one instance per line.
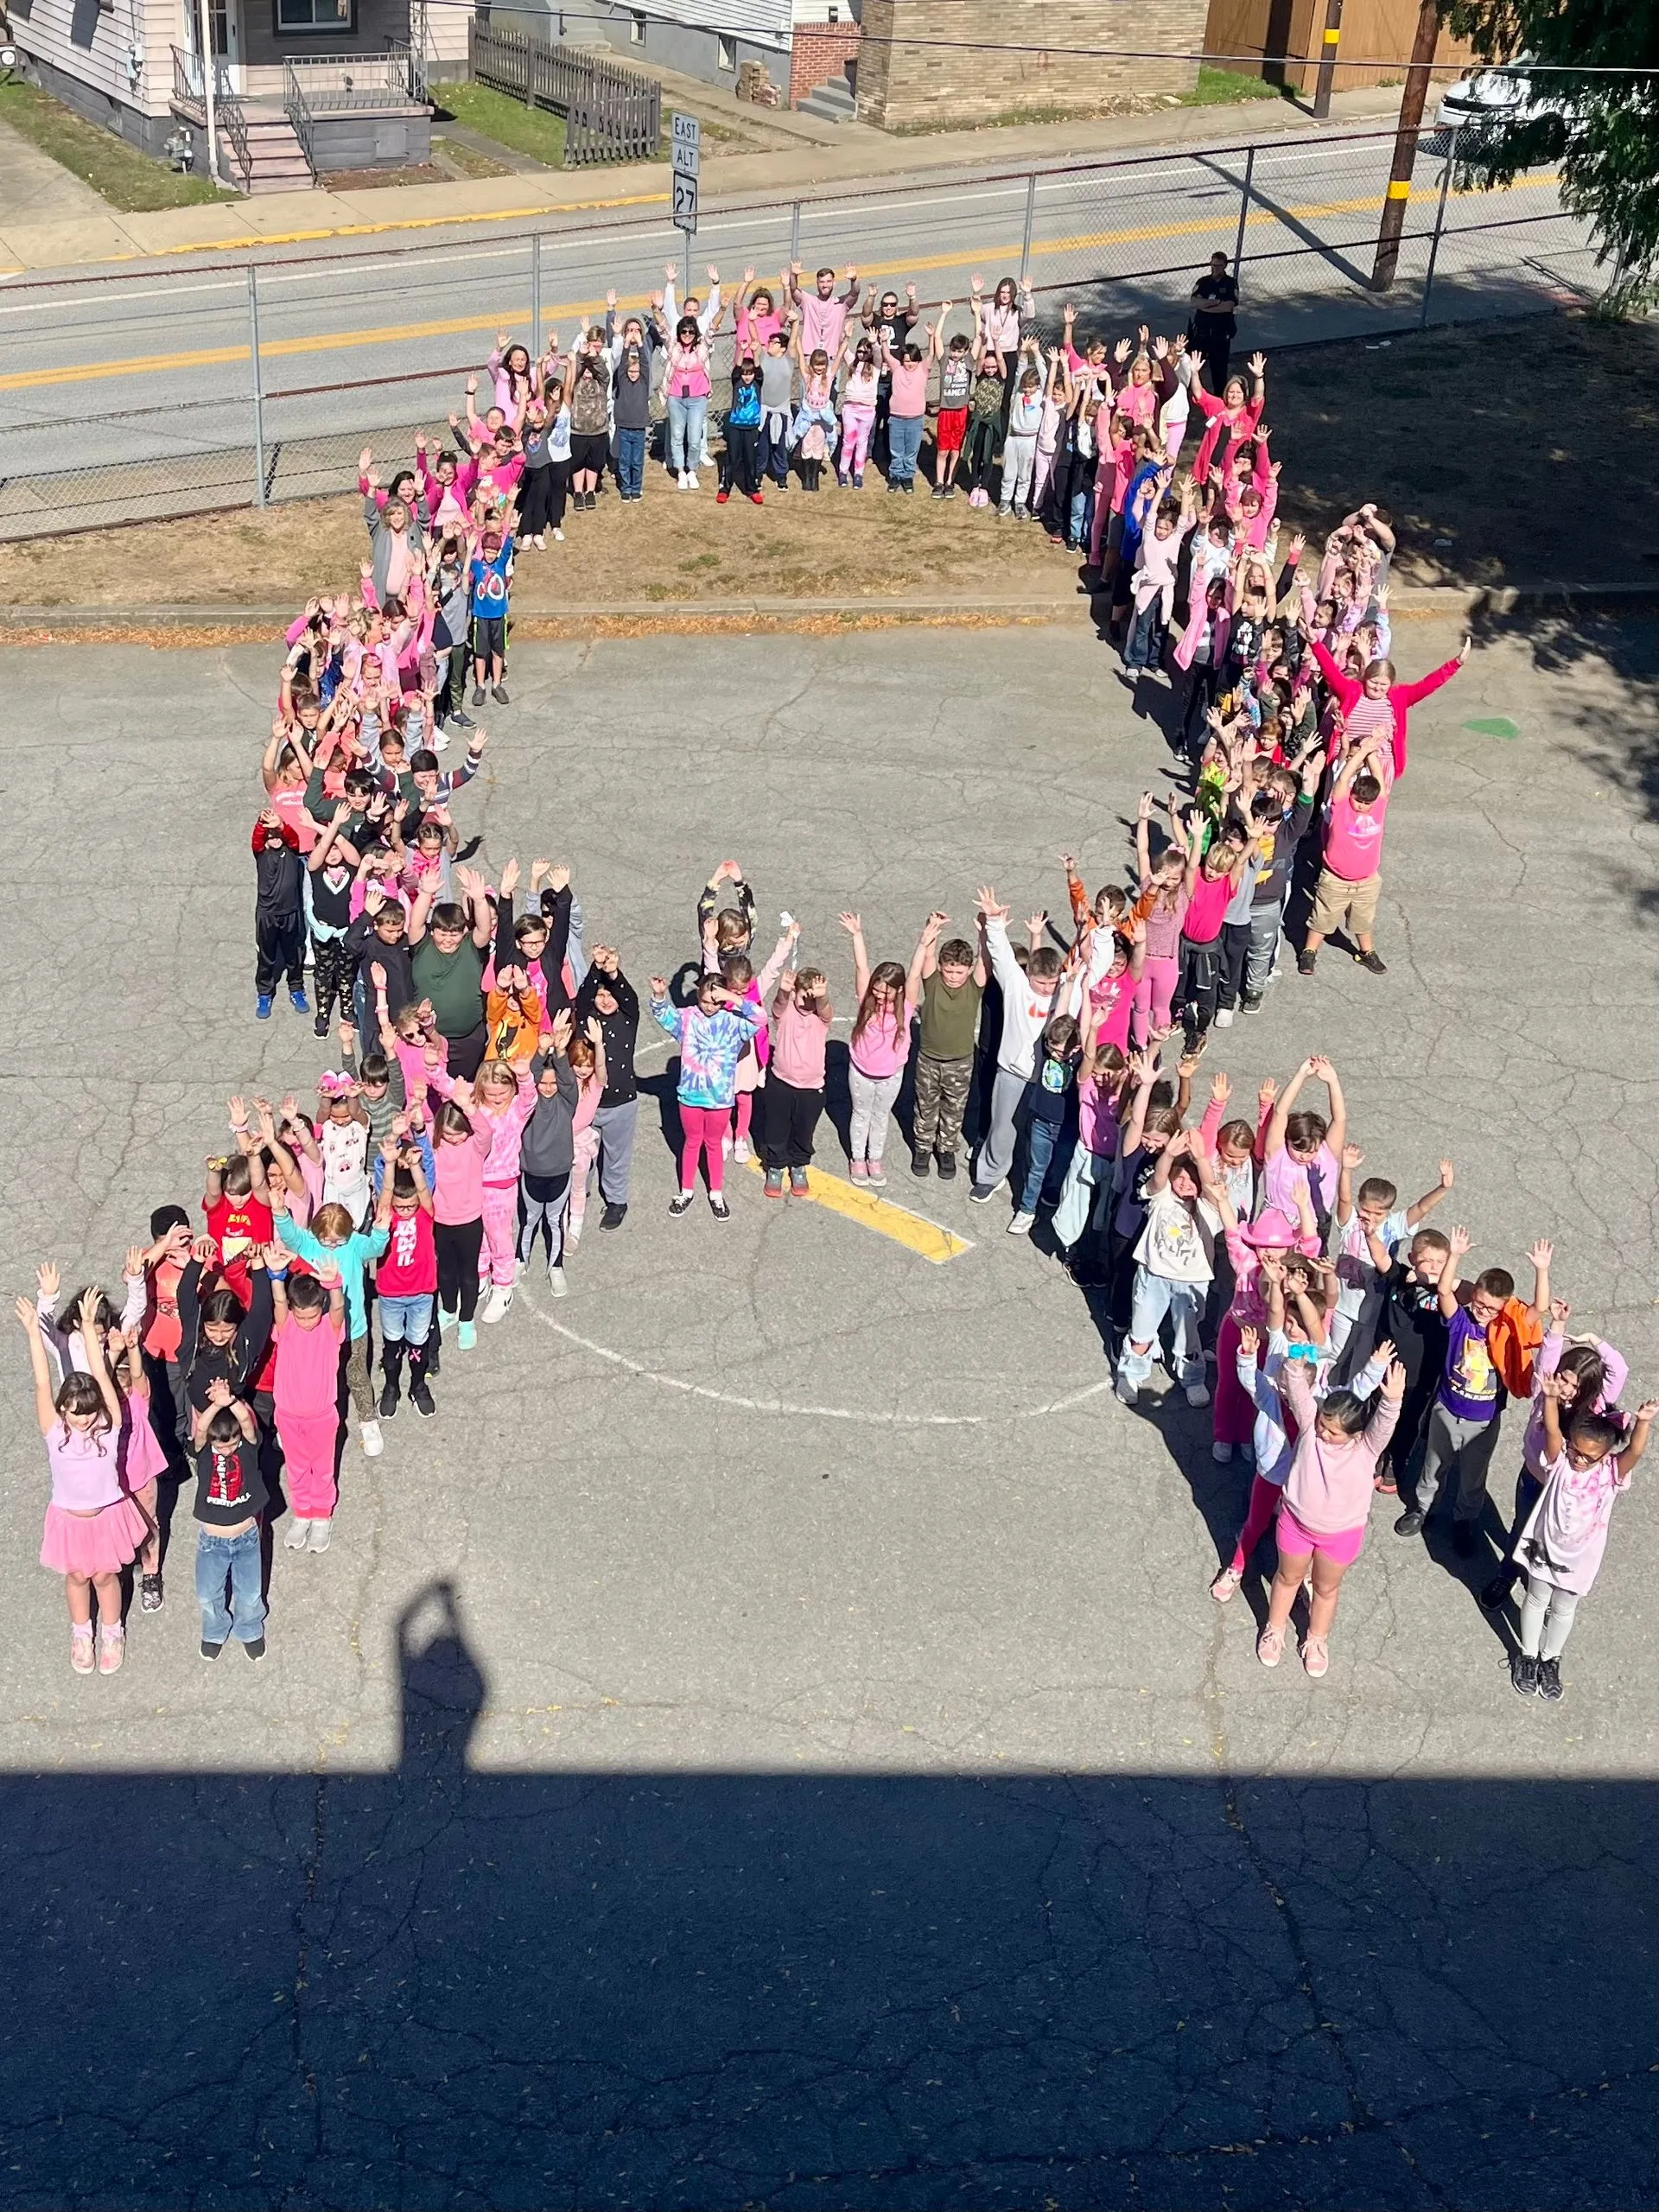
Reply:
x=825 y=47
x=948 y=77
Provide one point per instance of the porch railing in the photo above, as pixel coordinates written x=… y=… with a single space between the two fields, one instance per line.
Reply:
x=297 y=108
x=190 y=100
x=333 y=84
x=611 y=113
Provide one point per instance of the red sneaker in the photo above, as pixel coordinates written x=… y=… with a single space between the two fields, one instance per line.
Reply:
x=720 y=498
x=756 y=499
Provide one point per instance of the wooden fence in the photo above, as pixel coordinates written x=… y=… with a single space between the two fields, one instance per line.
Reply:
x=611 y=113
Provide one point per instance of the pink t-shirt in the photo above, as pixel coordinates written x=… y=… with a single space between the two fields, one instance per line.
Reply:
x=883 y=1046
x=1115 y=996
x=458 y=1195
x=307 y=1365
x=1205 y=910
x=409 y=1265
x=797 y=1045
x=1353 y=837
x=85 y=1477
x=909 y=389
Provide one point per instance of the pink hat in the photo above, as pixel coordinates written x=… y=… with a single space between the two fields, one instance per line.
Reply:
x=1271 y=1231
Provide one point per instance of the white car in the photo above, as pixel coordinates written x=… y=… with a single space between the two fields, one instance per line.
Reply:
x=1496 y=96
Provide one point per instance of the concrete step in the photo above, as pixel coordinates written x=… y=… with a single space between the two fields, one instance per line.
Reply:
x=831 y=102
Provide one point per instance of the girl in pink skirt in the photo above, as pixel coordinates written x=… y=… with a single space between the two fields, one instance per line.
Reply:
x=140 y=1459
x=93 y=1529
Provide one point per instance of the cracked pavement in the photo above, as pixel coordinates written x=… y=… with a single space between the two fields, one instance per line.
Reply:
x=656 y=1798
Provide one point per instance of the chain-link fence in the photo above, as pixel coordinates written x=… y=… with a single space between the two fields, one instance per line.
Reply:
x=124 y=397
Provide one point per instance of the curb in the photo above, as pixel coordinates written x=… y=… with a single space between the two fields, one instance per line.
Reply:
x=198 y=626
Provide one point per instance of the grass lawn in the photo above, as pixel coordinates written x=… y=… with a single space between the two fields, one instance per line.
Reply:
x=533 y=131
x=1226 y=88
x=130 y=180
x=1490 y=482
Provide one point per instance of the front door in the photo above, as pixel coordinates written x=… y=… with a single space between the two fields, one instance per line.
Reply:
x=224 y=25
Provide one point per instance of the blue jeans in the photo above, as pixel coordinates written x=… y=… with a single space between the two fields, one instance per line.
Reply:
x=406 y=1320
x=903 y=443
x=234 y=1560
x=1155 y=1297
x=630 y=463
x=1081 y=519
x=1044 y=1148
x=687 y=420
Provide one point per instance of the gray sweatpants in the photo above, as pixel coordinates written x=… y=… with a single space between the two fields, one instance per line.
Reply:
x=615 y=1126
x=1449 y=1438
x=1545 y=1618
x=996 y=1153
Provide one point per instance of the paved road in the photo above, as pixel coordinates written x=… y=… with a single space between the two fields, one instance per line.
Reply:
x=769 y=1741
x=155 y=365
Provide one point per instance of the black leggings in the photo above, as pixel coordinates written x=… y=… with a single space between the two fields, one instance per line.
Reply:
x=541 y=498
x=979 y=451
x=1195 y=994
x=740 y=463
x=458 y=1244
x=336 y=975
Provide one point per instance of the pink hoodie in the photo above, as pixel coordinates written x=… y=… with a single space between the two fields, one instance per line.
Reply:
x=1329 y=1486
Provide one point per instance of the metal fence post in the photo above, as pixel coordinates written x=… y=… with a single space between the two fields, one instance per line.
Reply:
x=794 y=233
x=535 y=295
x=1440 y=224
x=258 y=390
x=685 y=288
x=1243 y=217
x=1030 y=214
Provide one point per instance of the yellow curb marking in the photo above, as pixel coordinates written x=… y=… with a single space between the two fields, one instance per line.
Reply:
x=910 y=1230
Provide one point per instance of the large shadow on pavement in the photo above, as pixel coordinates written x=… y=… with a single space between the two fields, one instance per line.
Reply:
x=446 y=1988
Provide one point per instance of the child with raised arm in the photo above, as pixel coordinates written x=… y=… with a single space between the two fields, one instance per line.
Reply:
x=793 y=1098
x=952 y=977
x=711 y=1035
x=1175 y=1264
x=1032 y=996
x=1586 y=1466
x=406 y=1281
x=229 y=1509
x=308 y=1333
x=886 y=995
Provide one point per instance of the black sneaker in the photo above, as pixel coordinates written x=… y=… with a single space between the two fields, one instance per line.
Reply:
x=149 y=1595
x=681 y=1202
x=478 y=694
x=1304 y=963
x=499 y=695
x=1250 y=1002
x=1494 y=1595
x=459 y=719
x=256 y=1648
x=1550 y=1687
x=1410 y=1522
x=718 y=1207
x=947 y=1166
x=388 y=1402
x=1463 y=1539
x=1524 y=1674
x=613 y=1217
x=920 y=1165
x=421 y=1398
x=320 y=1026
x=210 y=1650
x=1373 y=961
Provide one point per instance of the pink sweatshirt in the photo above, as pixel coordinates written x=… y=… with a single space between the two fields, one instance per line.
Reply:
x=798 y=1044
x=1329 y=1486
x=459 y=1164
x=505 y=1129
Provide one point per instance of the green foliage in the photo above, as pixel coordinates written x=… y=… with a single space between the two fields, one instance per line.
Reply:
x=1605 y=143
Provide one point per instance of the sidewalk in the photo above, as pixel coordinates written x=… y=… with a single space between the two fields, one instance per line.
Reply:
x=822 y=154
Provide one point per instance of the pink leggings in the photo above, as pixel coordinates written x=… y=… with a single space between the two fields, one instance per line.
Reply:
x=586 y=1146
x=857 y=421
x=1264 y=1504
x=498 y=1255
x=309 y=1441
x=1153 y=995
x=743 y=1114
x=1042 y=469
x=702 y=1127
x=1234 y=1419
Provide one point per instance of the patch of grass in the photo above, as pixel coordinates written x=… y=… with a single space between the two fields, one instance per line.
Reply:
x=467 y=159
x=130 y=180
x=376 y=179
x=533 y=131
x=1226 y=88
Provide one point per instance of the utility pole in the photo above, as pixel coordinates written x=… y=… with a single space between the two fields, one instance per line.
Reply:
x=206 y=19
x=1327 y=60
x=1405 y=145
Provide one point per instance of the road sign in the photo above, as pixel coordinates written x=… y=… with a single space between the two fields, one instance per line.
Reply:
x=687 y=137
x=685 y=203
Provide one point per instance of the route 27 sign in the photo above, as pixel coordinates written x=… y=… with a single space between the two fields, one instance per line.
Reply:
x=687 y=143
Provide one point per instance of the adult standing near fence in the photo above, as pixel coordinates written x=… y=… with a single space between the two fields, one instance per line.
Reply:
x=1213 y=324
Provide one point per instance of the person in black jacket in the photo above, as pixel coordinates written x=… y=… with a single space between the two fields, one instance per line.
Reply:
x=379 y=936
x=607 y=994
x=219 y=1340
x=278 y=916
x=540 y=939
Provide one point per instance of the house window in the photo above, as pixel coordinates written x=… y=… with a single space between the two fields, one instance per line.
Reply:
x=725 y=54
x=309 y=18
x=636 y=30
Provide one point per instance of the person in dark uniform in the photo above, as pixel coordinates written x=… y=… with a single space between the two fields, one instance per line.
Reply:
x=1213 y=324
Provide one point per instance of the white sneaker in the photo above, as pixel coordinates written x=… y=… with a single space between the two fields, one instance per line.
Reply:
x=321 y=1532
x=558 y=537
x=1221 y=1453
x=691 y=484
x=556 y=1283
x=1020 y=1225
x=685 y=481
x=297 y=1532
x=373 y=1442
x=1197 y=1395
x=742 y=1152
x=705 y=460
x=440 y=740
x=1223 y=1017
x=500 y=1298
x=725 y=1146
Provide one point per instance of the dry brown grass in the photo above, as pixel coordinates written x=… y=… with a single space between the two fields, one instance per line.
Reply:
x=1528 y=445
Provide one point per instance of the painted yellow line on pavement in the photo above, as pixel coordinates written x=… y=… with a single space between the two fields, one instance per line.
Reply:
x=911 y=1230
x=460 y=326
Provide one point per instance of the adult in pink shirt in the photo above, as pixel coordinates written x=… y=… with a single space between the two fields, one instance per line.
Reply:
x=1374 y=702
x=1327 y=1501
x=823 y=317
x=1233 y=418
